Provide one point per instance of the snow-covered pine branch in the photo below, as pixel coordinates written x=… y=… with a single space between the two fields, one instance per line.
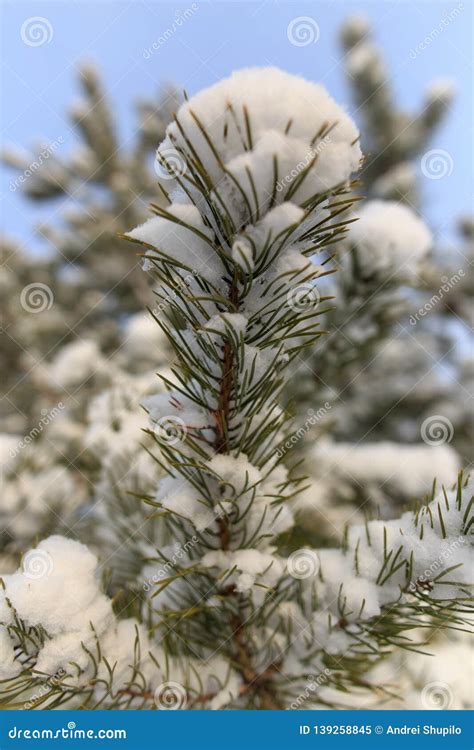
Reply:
x=382 y=253
x=330 y=615
x=261 y=164
x=392 y=135
x=256 y=171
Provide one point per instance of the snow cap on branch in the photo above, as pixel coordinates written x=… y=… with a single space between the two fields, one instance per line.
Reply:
x=390 y=239
x=57 y=588
x=255 y=133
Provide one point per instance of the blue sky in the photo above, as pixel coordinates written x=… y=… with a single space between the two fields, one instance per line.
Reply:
x=39 y=82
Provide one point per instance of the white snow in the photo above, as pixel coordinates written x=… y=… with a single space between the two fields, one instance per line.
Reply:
x=9 y=666
x=247 y=145
x=75 y=363
x=57 y=588
x=390 y=240
x=443 y=89
x=179 y=242
x=409 y=468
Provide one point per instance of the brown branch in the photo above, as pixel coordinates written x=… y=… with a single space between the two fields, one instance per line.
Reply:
x=260 y=684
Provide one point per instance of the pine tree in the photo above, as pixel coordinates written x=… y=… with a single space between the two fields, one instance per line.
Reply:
x=392 y=372
x=73 y=324
x=256 y=175
x=402 y=307
x=86 y=283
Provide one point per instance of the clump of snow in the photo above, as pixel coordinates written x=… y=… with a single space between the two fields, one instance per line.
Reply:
x=57 y=588
x=442 y=89
x=390 y=240
x=144 y=340
x=242 y=254
x=253 y=117
x=9 y=666
x=75 y=364
x=365 y=61
x=247 y=567
x=408 y=468
x=237 y=473
x=175 y=239
x=357 y=26
x=29 y=496
x=432 y=545
x=182 y=498
x=67 y=651
x=386 y=563
x=125 y=647
x=276 y=224
x=115 y=420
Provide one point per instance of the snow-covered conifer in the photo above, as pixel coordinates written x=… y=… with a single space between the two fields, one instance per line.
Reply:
x=256 y=172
